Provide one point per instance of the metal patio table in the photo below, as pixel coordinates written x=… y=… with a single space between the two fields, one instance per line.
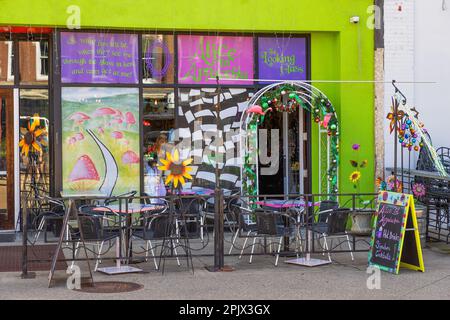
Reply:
x=127 y=210
x=281 y=205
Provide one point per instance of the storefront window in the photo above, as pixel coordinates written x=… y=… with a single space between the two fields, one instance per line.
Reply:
x=34 y=132
x=197 y=120
x=159 y=125
x=281 y=59
x=34 y=63
x=6 y=62
x=99 y=58
x=100 y=139
x=202 y=58
x=158 y=58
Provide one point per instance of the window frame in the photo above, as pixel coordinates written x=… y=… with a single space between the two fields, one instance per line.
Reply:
x=11 y=57
x=39 y=57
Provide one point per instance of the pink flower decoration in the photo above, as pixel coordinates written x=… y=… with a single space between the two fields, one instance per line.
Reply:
x=356 y=146
x=418 y=189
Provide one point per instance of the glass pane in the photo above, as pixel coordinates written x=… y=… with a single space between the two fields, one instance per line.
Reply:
x=100 y=140
x=197 y=119
x=202 y=58
x=157 y=55
x=158 y=124
x=33 y=142
x=34 y=63
x=3 y=168
x=99 y=57
x=6 y=62
x=273 y=183
x=293 y=156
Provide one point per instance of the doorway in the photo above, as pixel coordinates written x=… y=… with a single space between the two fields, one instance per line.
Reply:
x=291 y=176
x=7 y=196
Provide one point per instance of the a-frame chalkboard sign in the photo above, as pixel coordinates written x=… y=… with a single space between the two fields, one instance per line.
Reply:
x=395 y=239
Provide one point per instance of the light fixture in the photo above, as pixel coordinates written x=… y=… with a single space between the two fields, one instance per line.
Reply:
x=354 y=19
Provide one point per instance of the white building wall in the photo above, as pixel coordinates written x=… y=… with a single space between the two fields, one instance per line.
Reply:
x=417 y=48
x=398 y=58
x=432 y=63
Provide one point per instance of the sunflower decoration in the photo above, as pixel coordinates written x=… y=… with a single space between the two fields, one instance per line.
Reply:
x=179 y=169
x=357 y=165
x=32 y=136
x=355 y=176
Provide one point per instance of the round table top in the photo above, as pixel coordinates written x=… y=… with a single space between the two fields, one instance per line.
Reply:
x=132 y=208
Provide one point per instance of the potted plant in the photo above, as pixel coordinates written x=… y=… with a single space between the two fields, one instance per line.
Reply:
x=361 y=216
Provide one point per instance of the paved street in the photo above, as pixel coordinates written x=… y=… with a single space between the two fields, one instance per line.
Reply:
x=343 y=279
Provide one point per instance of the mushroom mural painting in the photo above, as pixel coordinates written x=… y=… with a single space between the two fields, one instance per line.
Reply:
x=98 y=121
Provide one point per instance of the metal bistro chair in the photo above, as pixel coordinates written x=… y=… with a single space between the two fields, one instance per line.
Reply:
x=113 y=199
x=241 y=213
x=273 y=224
x=99 y=224
x=331 y=223
x=190 y=218
x=53 y=215
x=155 y=227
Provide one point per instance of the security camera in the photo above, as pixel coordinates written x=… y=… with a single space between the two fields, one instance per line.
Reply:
x=354 y=19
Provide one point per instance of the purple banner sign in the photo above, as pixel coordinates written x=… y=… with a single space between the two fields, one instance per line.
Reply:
x=282 y=58
x=99 y=58
x=204 y=57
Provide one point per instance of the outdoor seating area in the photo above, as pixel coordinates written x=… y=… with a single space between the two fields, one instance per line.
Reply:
x=123 y=233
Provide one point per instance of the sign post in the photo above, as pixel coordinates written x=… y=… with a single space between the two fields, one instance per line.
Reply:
x=395 y=239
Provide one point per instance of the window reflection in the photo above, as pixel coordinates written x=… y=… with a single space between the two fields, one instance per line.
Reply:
x=157 y=56
x=34 y=63
x=6 y=62
x=158 y=124
x=34 y=118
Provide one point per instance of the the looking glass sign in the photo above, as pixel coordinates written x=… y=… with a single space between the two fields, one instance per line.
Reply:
x=282 y=58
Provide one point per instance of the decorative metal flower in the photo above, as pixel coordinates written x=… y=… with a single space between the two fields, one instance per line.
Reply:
x=394 y=184
x=381 y=184
x=418 y=189
x=390 y=116
x=179 y=170
x=31 y=136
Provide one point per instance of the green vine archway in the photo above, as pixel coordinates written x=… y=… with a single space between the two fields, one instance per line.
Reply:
x=289 y=97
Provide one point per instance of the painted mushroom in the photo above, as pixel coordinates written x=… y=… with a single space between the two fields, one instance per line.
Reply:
x=71 y=141
x=79 y=136
x=117 y=121
x=130 y=157
x=78 y=119
x=84 y=175
x=118 y=114
x=129 y=119
x=117 y=135
x=104 y=112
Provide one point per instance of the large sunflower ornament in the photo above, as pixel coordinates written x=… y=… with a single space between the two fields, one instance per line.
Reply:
x=179 y=169
x=32 y=136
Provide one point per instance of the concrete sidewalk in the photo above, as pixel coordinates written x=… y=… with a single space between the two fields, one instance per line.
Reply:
x=343 y=279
